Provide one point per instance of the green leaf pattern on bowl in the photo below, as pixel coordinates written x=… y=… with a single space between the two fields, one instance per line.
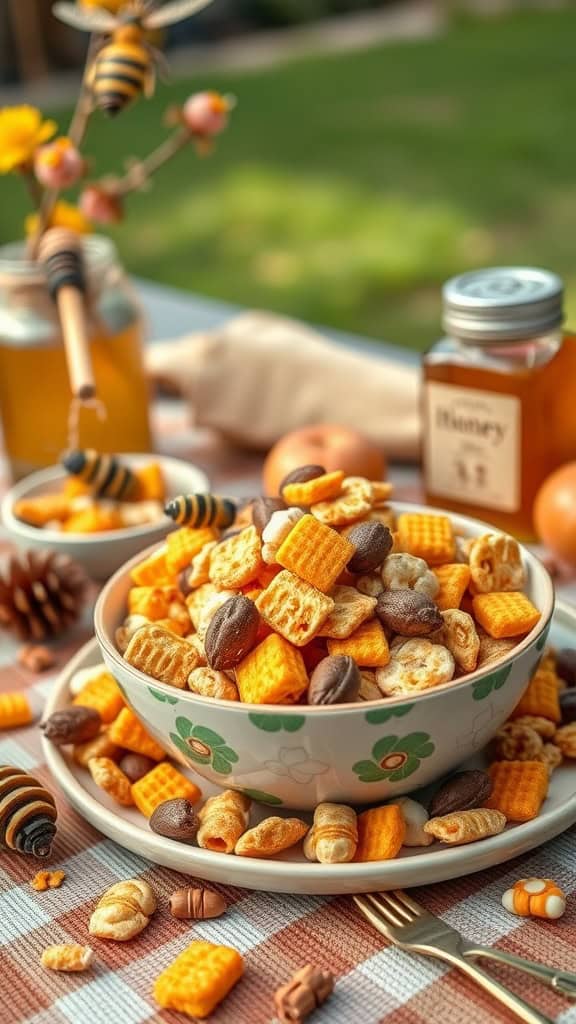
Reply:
x=275 y=722
x=379 y=715
x=203 y=745
x=395 y=758
x=261 y=797
x=495 y=681
x=164 y=698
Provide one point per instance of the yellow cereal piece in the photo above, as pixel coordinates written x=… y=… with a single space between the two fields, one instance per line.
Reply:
x=294 y=608
x=381 y=832
x=14 y=710
x=519 y=788
x=271 y=836
x=541 y=697
x=199 y=979
x=151 y=485
x=505 y=614
x=127 y=731
x=321 y=488
x=427 y=536
x=315 y=553
x=273 y=673
x=152 y=572
x=183 y=544
x=164 y=782
x=453 y=578
x=44 y=880
x=174 y=626
x=367 y=645
x=74 y=487
x=152 y=602
x=109 y=777
x=103 y=694
x=93 y=519
x=237 y=561
x=43 y=509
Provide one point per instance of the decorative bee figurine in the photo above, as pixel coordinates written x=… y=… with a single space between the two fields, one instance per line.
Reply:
x=27 y=813
x=201 y=510
x=104 y=474
x=126 y=65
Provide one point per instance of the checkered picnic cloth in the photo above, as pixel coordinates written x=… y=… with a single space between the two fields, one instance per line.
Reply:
x=276 y=934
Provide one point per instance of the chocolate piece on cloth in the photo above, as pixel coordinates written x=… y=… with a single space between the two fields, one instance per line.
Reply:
x=292 y=376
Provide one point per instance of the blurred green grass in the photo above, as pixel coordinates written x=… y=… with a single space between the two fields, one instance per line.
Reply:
x=350 y=186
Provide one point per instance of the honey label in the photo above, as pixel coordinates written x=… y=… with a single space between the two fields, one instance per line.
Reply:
x=472 y=446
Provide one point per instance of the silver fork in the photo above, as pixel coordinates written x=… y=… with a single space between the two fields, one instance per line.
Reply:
x=408 y=925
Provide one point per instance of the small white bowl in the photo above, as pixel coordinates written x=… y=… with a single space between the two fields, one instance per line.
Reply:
x=101 y=554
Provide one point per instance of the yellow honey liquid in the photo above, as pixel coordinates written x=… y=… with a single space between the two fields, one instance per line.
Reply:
x=35 y=400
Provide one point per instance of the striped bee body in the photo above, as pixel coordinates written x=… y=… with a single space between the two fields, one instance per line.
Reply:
x=120 y=74
x=27 y=813
x=106 y=476
x=198 y=510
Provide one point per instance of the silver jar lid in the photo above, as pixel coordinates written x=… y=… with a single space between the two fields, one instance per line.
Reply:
x=503 y=304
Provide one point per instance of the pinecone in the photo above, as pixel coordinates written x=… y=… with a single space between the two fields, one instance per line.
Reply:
x=41 y=594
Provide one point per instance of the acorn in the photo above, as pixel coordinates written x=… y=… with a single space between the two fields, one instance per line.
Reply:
x=27 y=813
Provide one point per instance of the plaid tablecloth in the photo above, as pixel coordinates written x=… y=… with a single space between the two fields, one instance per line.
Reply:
x=276 y=933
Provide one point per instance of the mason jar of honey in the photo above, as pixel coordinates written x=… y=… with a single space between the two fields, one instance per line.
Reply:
x=499 y=395
x=35 y=395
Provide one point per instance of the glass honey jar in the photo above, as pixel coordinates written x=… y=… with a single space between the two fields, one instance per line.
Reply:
x=499 y=395
x=35 y=391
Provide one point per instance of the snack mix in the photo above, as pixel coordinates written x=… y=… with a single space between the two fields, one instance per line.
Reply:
x=249 y=612
x=95 y=498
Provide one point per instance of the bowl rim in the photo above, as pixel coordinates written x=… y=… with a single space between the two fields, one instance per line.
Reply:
x=534 y=563
x=54 y=473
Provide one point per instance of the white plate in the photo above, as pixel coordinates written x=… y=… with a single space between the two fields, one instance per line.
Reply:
x=292 y=873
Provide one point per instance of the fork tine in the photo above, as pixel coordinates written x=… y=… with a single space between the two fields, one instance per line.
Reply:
x=385 y=910
x=374 y=918
x=408 y=902
x=391 y=900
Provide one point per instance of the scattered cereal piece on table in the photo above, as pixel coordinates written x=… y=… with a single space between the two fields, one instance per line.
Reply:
x=453 y=578
x=308 y=988
x=505 y=614
x=293 y=608
x=271 y=836
x=519 y=788
x=199 y=979
x=315 y=553
x=367 y=645
x=333 y=837
x=123 y=911
x=427 y=536
x=196 y=904
x=223 y=820
x=15 y=710
x=44 y=880
x=381 y=833
x=102 y=693
x=36 y=658
x=541 y=698
x=535 y=897
x=69 y=958
x=109 y=777
x=128 y=732
x=273 y=673
x=463 y=827
x=164 y=782
x=162 y=655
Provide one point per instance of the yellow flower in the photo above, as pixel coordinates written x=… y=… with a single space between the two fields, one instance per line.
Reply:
x=64 y=215
x=22 y=130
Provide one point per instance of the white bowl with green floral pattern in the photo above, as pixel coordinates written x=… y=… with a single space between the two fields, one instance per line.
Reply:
x=297 y=756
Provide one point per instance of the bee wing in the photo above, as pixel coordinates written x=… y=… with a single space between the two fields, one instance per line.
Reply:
x=175 y=11
x=94 y=20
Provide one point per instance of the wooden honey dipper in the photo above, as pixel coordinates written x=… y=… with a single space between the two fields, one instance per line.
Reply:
x=60 y=251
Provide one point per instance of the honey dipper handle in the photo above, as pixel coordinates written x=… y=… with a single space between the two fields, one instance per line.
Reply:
x=61 y=253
